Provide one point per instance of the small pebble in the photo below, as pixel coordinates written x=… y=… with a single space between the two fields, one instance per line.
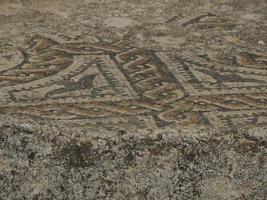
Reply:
x=261 y=42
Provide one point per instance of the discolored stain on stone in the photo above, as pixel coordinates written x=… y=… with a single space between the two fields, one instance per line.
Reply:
x=119 y=22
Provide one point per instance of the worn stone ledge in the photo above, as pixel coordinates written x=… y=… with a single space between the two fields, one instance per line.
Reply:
x=41 y=160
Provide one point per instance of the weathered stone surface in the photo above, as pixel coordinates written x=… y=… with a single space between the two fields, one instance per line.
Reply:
x=133 y=99
x=48 y=161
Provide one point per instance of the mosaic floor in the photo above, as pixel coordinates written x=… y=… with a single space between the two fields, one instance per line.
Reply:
x=133 y=99
x=195 y=68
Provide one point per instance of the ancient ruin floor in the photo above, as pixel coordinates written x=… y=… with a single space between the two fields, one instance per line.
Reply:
x=136 y=99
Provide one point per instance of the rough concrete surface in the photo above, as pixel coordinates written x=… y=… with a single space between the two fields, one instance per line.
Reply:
x=136 y=99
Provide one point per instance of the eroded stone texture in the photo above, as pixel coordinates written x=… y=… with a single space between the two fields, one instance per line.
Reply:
x=195 y=70
x=46 y=161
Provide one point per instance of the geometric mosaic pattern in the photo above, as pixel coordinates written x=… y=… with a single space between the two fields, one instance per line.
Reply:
x=113 y=84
